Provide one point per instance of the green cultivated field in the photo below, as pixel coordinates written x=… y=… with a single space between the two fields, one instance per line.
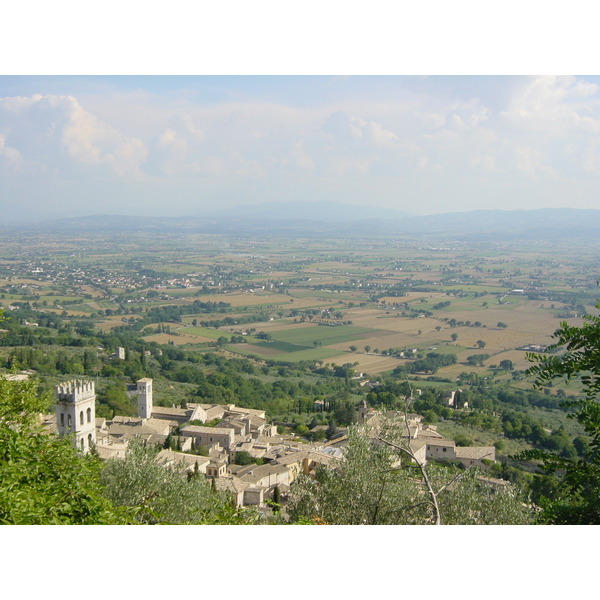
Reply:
x=214 y=334
x=328 y=335
x=282 y=346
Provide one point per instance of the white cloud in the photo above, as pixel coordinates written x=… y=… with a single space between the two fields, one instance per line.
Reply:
x=343 y=127
x=11 y=157
x=531 y=161
x=554 y=105
x=343 y=166
x=169 y=154
x=301 y=158
x=429 y=143
x=56 y=132
x=486 y=161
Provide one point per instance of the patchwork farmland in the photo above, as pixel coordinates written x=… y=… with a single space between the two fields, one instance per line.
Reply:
x=373 y=304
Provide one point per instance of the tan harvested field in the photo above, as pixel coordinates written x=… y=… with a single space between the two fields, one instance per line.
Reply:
x=178 y=340
x=90 y=289
x=518 y=357
x=379 y=320
x=372 y=364
x=524 y=327
x=382 y=341
x=411 y=296
x=454 y=371
x=313 y=302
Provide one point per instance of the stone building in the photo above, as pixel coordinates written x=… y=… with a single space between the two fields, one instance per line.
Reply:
x=76 y=412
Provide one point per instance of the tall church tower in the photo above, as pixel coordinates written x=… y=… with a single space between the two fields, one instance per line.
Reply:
x=144 y=398
x=76 y=412
x=362 y=412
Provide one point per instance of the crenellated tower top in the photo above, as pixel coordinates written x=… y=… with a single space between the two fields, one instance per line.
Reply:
x=74 y=391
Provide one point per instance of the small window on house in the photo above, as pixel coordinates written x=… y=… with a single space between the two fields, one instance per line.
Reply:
x=89 y=415
x=62 y=419
x=81 y=418
x=68 y=420
x=82 y=445
x=444 y=449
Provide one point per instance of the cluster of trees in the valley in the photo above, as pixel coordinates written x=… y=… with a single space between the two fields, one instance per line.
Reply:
x=17 y=335
x=251 y=392
x=430 y=364
x=49 y=361
x=272 y=387
x=477 y=359
x=441 y=305
x=174 y=312
x=521 y=425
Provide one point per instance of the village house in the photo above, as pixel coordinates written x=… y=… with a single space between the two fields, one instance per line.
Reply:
x=424 y=440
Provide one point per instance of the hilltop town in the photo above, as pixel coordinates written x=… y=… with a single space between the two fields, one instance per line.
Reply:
x=233 y=432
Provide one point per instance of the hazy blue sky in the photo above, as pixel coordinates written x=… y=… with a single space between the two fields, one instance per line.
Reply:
x=186 y=145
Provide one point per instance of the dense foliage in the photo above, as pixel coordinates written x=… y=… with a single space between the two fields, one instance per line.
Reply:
x=155 y=494
x=43 y=479
x=577 y=498
x=373 y=486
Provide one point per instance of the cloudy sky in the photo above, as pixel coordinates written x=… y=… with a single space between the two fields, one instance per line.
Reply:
x=72 y=145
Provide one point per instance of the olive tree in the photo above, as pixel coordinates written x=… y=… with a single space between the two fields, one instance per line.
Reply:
x=157 y=493
x=380 y=484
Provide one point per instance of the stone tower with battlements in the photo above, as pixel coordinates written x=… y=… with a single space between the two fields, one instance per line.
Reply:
x=144 y=398
x=76 y=412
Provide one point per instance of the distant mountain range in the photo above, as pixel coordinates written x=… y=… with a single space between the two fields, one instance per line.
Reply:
x=317 y=219
x=327 y=212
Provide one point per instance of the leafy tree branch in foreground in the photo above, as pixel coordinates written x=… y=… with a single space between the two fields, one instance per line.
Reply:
x=577 y=499
x=43 y=479
x=374 y=486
